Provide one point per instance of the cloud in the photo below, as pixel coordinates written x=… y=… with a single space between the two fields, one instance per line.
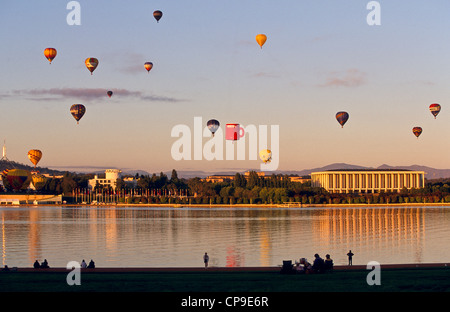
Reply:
x=349 y=78
x=56 y=94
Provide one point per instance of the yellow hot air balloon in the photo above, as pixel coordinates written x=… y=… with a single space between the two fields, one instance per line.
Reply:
x=35 y=156
x=261 y=39
x=91 y=63
x=38 y=180
x=50 y=54
x=265 y=155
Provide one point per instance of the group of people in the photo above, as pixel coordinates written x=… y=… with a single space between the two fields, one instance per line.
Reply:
x=91 y=264
x=319 y=265
x=43 y=265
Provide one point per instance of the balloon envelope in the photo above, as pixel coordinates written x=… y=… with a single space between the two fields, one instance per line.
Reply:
x=157 y=15
x=17 y=178
x=38 y=180
x=50 y=54
x=435 y=109
x=109 y=93
x=342 y=118
x=34 y=155
x=77 y=111
x=261 y=39
x=213 y=125
x=417 y=131
x=91 y=64
x=148 y=66
x=265 y=155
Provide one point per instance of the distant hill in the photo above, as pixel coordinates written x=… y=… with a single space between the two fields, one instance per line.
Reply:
x=7 y=164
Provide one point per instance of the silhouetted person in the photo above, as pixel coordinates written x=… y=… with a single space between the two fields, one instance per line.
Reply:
x=328 y=265
x=36 y=264
x=91 y=264
x=206 y=259
x=350 y=257
x=44 y=264
x=318 y=264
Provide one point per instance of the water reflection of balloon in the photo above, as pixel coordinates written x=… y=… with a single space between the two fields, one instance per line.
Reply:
x=77 y=111
x=91 y=64
x=342 y=118
x=265 y=155
x=109 y=93
x=417 y=131
x=148 y=66
x=261 y=39
x=213 y=125
x=35 y=156
x=50 y=54
x=157 y=15
x=435 y=109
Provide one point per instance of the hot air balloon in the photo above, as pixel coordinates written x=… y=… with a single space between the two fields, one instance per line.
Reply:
x=38 y=180
x=77 y=111
x=34 y=155
x=16 y=179
x=91 y=63
x=148 y=66
x=417 y=131
x=50 y=54
x=157 y=15
x=342 y=118
x=265 y=155
x=261 y=39
x=213 y=125
x=435 y=109
x=109 y=93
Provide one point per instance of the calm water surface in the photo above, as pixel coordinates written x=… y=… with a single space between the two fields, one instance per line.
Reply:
x=168 y=237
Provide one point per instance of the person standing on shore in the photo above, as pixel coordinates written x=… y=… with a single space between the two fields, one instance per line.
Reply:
x=350 y=257
x=206 y=259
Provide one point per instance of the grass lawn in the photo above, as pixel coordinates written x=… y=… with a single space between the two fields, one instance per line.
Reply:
x=392 y=280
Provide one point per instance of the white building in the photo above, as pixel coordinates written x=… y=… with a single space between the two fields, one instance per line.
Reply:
x=111 y=176
x=367 y=181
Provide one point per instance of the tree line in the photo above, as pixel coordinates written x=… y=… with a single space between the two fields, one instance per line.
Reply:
x=242 y=189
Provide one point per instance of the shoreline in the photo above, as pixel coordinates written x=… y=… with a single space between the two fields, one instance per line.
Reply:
x=443 y=265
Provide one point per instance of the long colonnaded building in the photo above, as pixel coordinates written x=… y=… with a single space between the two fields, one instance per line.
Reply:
x=367 y=180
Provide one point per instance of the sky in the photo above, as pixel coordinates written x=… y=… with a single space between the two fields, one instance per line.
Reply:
x=320 y=57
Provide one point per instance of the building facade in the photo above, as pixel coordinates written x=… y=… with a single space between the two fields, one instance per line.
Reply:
x=367 y=181
x=111 y=176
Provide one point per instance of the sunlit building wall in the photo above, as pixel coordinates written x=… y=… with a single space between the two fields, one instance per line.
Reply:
x=367 y=181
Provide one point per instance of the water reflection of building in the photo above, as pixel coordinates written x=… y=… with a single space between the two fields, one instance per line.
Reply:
x=372 y=229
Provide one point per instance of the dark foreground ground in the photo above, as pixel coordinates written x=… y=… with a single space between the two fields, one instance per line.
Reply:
x=174 y=286
x=393 y=278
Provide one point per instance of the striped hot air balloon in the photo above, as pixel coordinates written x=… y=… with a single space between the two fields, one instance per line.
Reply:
x=342 y=118
x=157 y=15
x=16 y=179
x=435 y=109
x=35 y=156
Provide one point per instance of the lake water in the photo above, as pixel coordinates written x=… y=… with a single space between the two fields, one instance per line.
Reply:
x=235 y=237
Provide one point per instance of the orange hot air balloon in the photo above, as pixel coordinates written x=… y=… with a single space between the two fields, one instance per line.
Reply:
x=50 y=54
x=91 y=63
x=35 y=156
x=157 y=15
x=148 y=66
x=417 y=131
x=261 y=39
